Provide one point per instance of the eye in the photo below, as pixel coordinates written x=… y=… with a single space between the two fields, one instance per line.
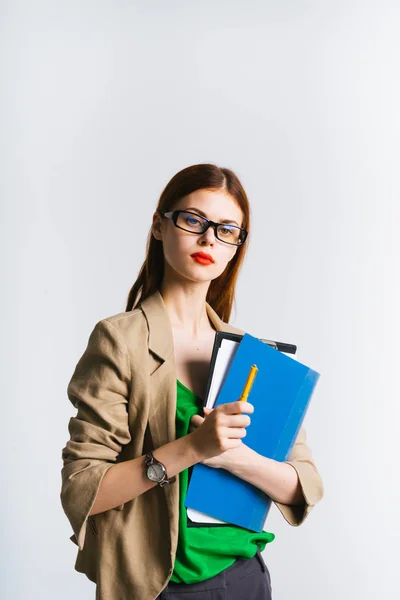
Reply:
x=192 y=220
x=225 y=231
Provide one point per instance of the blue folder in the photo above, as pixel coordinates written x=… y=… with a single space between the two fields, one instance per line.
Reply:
x=280 y=395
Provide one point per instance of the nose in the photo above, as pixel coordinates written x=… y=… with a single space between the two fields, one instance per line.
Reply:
x=208 y=237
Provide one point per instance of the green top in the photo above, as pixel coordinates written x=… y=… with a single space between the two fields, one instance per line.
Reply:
x=203 y=552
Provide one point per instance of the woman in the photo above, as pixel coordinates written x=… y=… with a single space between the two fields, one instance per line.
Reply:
x=140 y=426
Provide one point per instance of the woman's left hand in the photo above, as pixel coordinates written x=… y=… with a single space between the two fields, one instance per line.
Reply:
x=223 y=460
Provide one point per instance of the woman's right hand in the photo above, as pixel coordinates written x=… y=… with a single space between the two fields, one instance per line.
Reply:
x=222 y=429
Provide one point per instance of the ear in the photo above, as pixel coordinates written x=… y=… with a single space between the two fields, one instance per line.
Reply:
x=156 y=226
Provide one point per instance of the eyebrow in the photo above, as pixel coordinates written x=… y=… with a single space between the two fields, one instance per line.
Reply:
x=200 y=212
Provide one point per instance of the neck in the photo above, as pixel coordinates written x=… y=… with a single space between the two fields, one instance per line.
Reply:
x=186 y=306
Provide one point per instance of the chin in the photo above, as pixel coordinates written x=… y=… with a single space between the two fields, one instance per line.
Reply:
x=197 y=275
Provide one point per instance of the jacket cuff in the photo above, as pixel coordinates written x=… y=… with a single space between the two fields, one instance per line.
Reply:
x=312 y=489
x=79 y=491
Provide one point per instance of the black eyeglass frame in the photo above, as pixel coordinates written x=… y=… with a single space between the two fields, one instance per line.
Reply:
x=174 y=218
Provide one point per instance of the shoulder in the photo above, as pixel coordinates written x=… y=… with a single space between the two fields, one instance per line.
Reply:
x=223 y=326
x=127 y=328
x=126 y=320
x=219 y=324
x=234 y=329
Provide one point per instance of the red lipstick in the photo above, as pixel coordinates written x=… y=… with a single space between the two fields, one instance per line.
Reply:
x=202 y=258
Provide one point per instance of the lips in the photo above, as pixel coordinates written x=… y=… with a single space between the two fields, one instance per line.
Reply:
x=203 y=258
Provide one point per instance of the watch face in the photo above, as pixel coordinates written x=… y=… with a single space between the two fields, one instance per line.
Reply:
x=155 y=472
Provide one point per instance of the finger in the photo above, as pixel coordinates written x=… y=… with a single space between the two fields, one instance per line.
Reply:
x=230 y=444
x=234 y=433
x=196 y=420
x=237 y=407
x=242 y=420
x=223 y=419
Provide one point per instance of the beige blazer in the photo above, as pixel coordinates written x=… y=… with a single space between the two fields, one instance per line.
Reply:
x=124 y=389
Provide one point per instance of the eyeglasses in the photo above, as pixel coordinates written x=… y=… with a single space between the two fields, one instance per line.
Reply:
x=194 y=223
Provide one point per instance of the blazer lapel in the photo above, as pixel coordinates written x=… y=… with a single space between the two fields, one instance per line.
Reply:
x=162 y=371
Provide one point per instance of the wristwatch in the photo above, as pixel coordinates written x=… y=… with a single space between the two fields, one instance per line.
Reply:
x=156 y=471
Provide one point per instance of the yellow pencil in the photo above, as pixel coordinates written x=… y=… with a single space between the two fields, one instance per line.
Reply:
x=249 y=383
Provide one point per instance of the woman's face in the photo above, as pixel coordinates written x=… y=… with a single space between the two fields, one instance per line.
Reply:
x=179 y=246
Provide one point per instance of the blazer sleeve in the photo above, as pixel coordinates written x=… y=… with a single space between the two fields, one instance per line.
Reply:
x=99 y=389
x=310 y=482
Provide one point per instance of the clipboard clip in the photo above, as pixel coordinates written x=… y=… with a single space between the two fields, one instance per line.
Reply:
x=281 y=346
x=270 y=343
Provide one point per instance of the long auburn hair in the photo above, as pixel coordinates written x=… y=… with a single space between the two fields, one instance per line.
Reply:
x=221 y=292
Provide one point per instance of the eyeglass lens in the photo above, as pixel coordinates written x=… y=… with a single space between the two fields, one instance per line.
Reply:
x=196 y=224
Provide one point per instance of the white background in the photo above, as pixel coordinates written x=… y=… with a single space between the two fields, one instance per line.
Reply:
x=102 y=103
